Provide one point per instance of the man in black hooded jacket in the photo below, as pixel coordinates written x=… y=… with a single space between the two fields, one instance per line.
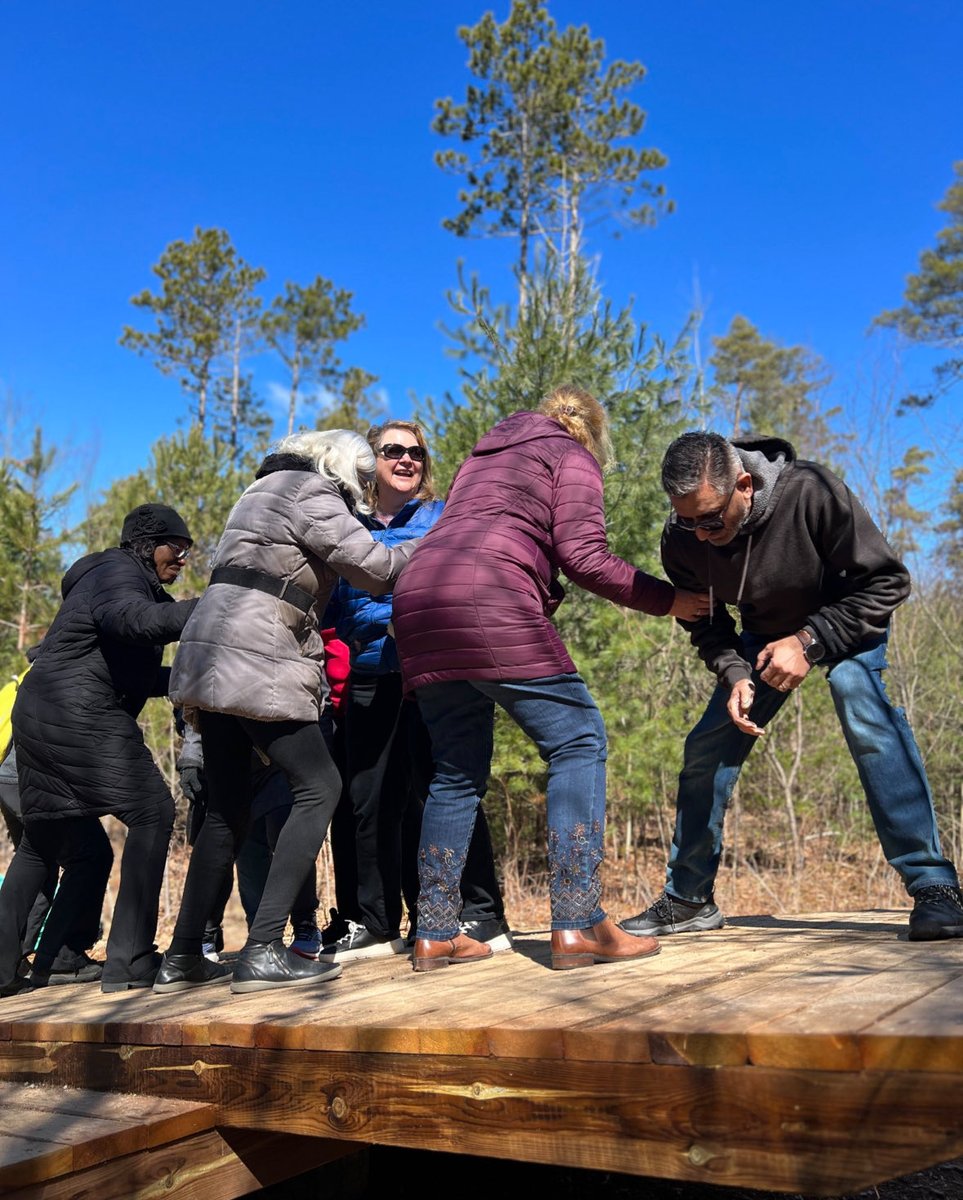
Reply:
x=788 y=545
x=81 y=754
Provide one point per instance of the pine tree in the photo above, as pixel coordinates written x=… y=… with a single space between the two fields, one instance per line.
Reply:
x=31 y=545
x=303 y=326
x=762 y=387
x=933 y=310
x=545 y=130
x=206 y=312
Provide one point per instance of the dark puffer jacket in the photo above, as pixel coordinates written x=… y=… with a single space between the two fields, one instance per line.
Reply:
x=476 y=599
x=80 y=751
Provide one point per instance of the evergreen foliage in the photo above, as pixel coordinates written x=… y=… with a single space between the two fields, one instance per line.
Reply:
x=546 y=132
x=205 y=311
x=762 y=387
x=303 y=326
x=31 y=546
x=933 y=308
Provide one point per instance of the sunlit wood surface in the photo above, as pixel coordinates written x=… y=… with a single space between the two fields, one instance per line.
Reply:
x=816 y=1053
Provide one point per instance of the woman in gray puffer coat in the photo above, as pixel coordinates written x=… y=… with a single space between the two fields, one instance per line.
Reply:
x=249 y=670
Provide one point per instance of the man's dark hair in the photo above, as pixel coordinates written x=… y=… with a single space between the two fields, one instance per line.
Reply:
x=697 y=458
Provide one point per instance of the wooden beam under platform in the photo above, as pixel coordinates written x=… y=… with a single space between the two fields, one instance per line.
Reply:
x=817 y=1053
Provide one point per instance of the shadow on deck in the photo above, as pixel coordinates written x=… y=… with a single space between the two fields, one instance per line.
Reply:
x=816 y=1053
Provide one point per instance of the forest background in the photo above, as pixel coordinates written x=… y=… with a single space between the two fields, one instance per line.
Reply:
x=547 y=153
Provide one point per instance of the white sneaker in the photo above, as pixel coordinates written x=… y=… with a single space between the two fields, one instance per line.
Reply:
x=359 y=943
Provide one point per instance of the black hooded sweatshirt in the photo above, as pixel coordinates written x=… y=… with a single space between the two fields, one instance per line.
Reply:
x=808 y=554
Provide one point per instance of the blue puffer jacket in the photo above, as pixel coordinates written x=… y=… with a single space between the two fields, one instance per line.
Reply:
x=362 y=619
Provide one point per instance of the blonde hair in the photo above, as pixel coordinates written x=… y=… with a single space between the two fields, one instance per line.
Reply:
x=375 y=435
x=581 y=415
x=340 y=455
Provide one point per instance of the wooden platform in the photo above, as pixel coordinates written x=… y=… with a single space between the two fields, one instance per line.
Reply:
x=817 y=1053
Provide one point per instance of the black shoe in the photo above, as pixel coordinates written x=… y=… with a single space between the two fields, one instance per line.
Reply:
x=937 y=913
x=336 y=928
x=264 y=965
x=180 y=972
x=307 y=940
x=358 y=942
x=111 y=982
x=127 y=985
x=22 y=983
x=670 y=915
x=67 y=968
x=493 y=932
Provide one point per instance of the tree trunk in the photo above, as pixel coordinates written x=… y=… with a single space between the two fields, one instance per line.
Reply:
x=293 y=400
x=236 y=386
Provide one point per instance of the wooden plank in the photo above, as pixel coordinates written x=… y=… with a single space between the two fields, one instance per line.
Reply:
x=212 y=1165
x=26 y=1160
x=46 y=1132
x=745 y=1126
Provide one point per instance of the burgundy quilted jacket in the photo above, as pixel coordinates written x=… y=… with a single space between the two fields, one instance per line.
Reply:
x=475 y=600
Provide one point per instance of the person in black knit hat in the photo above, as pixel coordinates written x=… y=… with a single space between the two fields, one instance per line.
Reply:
x=81 y=755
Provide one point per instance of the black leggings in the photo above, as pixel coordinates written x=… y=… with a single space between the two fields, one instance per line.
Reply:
x=82 y=848
x=298 y=748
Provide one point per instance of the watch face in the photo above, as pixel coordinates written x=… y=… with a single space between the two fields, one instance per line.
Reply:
x=814 y=651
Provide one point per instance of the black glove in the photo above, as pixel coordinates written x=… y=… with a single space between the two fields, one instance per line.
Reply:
x=192 y=785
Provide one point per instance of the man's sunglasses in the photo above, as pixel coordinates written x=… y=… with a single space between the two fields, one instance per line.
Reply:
x=395 y=450
x=181 y=553
x=712 y=522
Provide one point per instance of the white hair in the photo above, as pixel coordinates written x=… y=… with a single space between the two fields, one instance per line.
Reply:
x=340 y=455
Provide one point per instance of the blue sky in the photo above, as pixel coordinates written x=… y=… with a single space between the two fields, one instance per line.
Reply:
x=807 y=145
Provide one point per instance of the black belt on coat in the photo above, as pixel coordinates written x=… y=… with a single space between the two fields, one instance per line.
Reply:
x=261 y=581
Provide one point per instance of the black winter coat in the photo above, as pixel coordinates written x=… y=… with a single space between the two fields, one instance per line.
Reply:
x=80 y=751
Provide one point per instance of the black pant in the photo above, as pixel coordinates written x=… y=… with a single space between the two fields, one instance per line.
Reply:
x=80 y=846
x=10 y=809
x=131 y=952
x=298 y=748
x=389 y=767
x=253 y=865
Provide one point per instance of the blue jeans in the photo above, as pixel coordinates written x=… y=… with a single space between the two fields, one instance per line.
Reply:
x=563 y=720
x=883 y=749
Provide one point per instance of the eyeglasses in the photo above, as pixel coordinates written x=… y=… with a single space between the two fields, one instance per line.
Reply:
x=181 y=553
x=395 y=450
x=711 y=522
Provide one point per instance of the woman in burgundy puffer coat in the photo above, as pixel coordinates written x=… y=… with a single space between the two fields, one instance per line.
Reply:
x=472 y=621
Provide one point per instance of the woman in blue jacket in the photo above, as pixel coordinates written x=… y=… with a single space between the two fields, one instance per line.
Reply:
x=388 y=763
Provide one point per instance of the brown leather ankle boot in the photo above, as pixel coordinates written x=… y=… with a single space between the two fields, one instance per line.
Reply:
x=601 y=943
x=429 y=955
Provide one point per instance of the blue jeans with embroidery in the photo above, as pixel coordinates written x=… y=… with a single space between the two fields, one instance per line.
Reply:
x=882 y=746
x=563 y=720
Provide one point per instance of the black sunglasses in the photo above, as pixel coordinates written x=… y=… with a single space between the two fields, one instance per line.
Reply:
x=395 y=450
x=181 y=553
x=711 y=522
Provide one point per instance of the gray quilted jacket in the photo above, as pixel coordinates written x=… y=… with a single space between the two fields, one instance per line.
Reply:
x=250 y=653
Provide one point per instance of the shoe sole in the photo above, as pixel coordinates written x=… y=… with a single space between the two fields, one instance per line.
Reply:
x=935 y=933
x=695 y=925
x=570 y=962
x=185 y=985
x=381 y=950
x=62 y=980
x=242 y=987
x=447 y=960
x=128 y=985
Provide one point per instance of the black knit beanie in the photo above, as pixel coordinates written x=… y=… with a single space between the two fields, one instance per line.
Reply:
x=153 y=522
